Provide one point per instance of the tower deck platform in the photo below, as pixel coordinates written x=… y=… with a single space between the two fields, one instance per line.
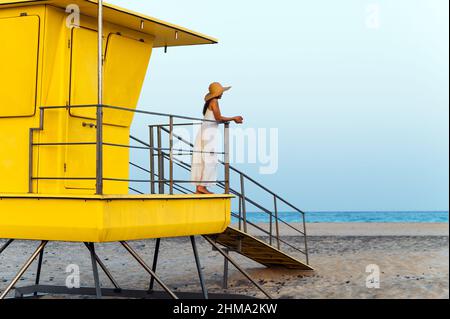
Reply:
x=111 y=218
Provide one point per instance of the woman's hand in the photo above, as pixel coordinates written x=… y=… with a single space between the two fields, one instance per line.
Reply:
x=218 y=116
x=238 y=119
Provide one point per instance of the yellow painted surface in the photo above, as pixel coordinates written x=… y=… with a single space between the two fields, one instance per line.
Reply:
x=111 y=218
x=125 y=66
x=18 y=65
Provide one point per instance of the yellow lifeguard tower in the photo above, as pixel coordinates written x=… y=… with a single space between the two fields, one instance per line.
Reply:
x=71 y=74
x=57 y=158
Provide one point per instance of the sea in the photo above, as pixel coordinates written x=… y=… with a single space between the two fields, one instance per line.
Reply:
x=356 y=217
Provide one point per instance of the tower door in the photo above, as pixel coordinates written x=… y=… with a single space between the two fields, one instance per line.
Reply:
x=79 y=162
x=125 y=66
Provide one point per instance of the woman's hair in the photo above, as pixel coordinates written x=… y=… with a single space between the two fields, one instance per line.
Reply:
x=205 y=108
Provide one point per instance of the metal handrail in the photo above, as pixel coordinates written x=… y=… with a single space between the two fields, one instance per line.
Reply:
x=245 y=175
x=233 y=214
x=186 y=166
x=179 y=188
x=126 y=109
x=241 y=195
x=179 y=150
x=234 y=192
x=99 y=143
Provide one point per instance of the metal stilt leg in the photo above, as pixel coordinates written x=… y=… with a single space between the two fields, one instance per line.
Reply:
x=6 y=245
x=39 y=268
x=225 y=270
x=155 y=263
x=105 y=270
x=242 y=271
x=23 y=269
x=148 y=269
x=98 y=289
x=199 y=268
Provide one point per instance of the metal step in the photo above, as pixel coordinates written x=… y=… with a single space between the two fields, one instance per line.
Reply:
x=257 y=250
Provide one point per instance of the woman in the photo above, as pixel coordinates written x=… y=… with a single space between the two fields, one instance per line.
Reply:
x=204 y=159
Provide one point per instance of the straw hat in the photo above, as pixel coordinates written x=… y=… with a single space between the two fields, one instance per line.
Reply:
x=215 y=90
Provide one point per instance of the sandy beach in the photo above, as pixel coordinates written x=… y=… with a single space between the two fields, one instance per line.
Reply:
x=413 y=260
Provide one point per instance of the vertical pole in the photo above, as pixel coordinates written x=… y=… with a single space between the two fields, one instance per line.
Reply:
x=306 y=239
x=160 y=162
x=199 y=268
x=226 y=148
x=277 y=227
x=98 y=289
x=30 y=162
x=105 y=270
x=31 y=142
x=270 y=228
x=155 y=263
x=152 y=160
x=171 y=154
x=240 y=212
x=99 y=144
x=39 y=268
x=225 y=270
x=244 y=210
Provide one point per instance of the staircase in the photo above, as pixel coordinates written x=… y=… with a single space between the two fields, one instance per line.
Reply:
x=257 y=250
x=264 y=243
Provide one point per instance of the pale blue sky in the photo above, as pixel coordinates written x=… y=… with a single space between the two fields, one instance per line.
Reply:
x=362 y=113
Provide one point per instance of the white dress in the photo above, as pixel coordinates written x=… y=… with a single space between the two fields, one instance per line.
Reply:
x=204 y=163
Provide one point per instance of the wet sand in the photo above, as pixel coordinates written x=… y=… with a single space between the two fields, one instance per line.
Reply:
x=413 y=260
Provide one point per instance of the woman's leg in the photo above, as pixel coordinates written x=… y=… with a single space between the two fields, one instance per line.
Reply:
x=204 y=161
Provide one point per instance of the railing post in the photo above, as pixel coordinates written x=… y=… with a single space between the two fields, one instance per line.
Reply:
x=277 y=228
x=31 y=149
x=240 y=213
x=160 y=162
x=306 y=238
x=225 y=270
x=227 y=157
x=270 y=228
x=99 y=139
x=30 y=162
x=244 y=210
x=171 y=154
x=152 y=159
x=99 y=152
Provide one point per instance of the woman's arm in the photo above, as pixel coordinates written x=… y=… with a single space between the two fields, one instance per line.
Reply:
x=218 y=116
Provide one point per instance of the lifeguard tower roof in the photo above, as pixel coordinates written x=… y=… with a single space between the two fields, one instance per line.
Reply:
x=166 y=34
